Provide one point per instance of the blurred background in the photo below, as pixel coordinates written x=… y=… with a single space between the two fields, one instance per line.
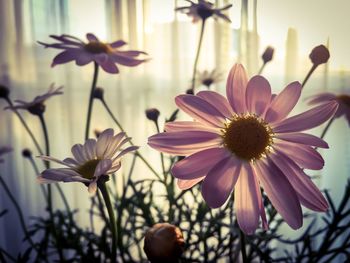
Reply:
x=293 y=28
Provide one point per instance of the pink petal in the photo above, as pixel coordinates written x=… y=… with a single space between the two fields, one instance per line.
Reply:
x=320 y=98
x=126 y=61
x=247 y=205
x=308 y=193
x=91 y=37
x=280 y=193
x=64 y=57
x=200 y=110
x=218 y=101
x=62 y=175
x=302 y=138
x=102 y=168
x=83 y=58
x=284 y=102
x=308 y=119
x=236 y=88
x=103 y=142
x=100 y=58
x=109 y=66
x=198 y=164
x=184 y=143
x=189 y=126
x=77 y=151
x=258 y=95
x=131 y=53
x=187 y=184
x=305 y=156
x=219 y=182
x=118 y=43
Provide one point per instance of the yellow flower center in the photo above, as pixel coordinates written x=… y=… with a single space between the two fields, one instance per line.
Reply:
x=98 y=47
x=345 y=99
x=87 y=170
x=248 y=137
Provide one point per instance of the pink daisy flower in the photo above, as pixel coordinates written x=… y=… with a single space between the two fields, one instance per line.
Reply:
x=107 y=55
x=342 y=99
x=245 y=141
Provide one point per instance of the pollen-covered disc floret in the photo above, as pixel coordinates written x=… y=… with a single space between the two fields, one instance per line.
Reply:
x=247 y=136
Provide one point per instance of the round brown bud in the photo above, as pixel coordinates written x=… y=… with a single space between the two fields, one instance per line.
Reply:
x=27 y=153
x=268 y=54
x=319 y=55
x=189 y=91
x=37 y=109
x=164 y=243
x=4 y=92
x=98 y=93
x=152 y=114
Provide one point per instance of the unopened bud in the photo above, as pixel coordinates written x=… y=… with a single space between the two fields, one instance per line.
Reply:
x=189 y=92
x=319 y=55
x=164 y=243
x=152 y=114
x=4 y=92
x=97 y=133
x=37 y=109
x=27 y=153
x=268 y=54
x=98 y=93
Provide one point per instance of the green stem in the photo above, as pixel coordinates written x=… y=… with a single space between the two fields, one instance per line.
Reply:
x=162 y=156
x=197 y=55
x=309 y=75
x=103 y=189
x=261 y=69
x=243 y=251
x=122 y=129
x=30 y=133
x=91 y=100
x=327 y=127
x=36 y=170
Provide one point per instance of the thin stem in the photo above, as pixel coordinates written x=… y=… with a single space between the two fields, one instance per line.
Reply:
x=261 y=69
x=197 y=55
x=243 y=251
x=19 y=212
x=103 y=189
x=49 y=190
x=122 y=129
x=30 y=133
x=309 y=75
x=161 y=155
x=91 y=100
x=327 y=127
x=36 y=170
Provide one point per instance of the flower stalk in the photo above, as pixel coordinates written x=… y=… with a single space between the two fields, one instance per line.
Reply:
x=105 y=195
x=243 y=250
x=91 y=100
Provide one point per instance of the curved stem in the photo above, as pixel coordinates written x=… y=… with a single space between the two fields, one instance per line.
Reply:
x=103 y=189
x=30 y=133
x=91 y=100
x=327 y=127
x=122 y=129
x=261 y=69
x=36 y=170
x=197 y=55
x=309 y=75
x=243 y=251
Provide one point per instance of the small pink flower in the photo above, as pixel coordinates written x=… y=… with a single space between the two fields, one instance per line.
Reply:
x=343 y=100
x=107 y=55
x=245 y=141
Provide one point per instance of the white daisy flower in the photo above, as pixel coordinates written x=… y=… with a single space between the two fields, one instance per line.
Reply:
x=90 y=161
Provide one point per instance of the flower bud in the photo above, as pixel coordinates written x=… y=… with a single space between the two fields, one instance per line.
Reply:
x=37 y=109
x=164 y=243
x=268 y=54
x=319 y=55
x=4 y=92
x=152 y=114
x=98 y=93
x=189 y=92
x=27 y=153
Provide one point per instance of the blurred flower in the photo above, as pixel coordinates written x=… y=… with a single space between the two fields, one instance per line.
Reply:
x=343 y=100
x=27 y=153
x=319 y=55
x=268 y=54
x=246 y=139
x=207 y=78
x=203 y=10
x=107 y=55
x=152 y=114
x=98 y=93
x=4 y=92
x=164 y=243
x=91 y=161
x=37 y=106
x=4 y=150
